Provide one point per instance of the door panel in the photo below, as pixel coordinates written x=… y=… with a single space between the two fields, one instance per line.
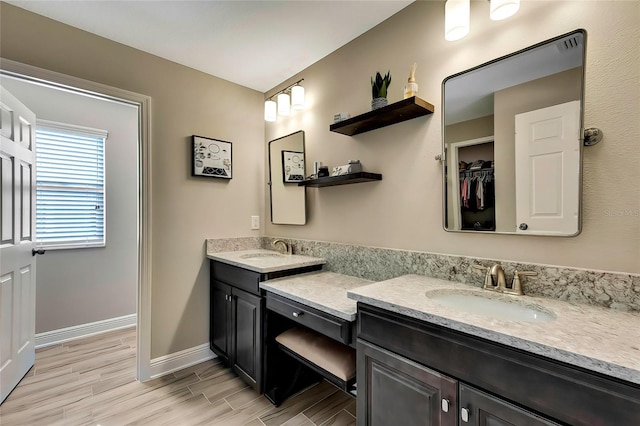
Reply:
x=220 y=318
x=6 y=323
x=6 y=200
x=393 y=390
x=548 y=169
x=486 y=410
x=17 y=265
x=25 y=199
x=247 y=334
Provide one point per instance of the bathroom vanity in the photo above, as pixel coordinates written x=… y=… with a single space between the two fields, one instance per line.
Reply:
x=421 y=359
x=237 y=305
x=317 y=303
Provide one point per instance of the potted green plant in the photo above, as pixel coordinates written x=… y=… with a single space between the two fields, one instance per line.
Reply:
x=379 y=88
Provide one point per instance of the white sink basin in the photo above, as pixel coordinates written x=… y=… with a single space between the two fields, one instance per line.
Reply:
x=492 y=305
x=259 y=255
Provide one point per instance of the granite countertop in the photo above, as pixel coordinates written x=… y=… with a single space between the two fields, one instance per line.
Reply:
x=599 y=339
x=325 y=291
x=263 y=261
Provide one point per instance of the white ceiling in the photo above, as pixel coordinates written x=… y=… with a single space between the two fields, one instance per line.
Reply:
x=257 y=44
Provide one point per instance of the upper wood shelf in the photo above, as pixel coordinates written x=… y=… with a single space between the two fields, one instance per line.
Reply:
x=397 y=112
x=341 y=180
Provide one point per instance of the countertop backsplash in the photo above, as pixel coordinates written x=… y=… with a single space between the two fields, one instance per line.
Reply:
x=607 y=289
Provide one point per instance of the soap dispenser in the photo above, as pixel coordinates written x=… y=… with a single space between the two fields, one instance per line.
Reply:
x=411 y=89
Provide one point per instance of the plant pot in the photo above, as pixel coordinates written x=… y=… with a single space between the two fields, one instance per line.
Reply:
x=378 y=103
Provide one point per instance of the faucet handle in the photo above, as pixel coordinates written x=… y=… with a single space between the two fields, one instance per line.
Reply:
x=488 y=282
x=516 y=285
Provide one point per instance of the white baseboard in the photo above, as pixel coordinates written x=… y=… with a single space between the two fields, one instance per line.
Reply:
x=166 y=364
x=61 y=335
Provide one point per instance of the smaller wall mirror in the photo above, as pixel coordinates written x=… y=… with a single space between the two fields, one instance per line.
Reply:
x=286 y=169
x=512 y=142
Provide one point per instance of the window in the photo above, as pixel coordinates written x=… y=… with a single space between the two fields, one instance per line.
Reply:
x=70 y=186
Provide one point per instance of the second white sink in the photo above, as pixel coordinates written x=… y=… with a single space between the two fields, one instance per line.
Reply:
x=491 y=305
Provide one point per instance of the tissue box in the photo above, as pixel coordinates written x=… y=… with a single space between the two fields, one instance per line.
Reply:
x=341 y=116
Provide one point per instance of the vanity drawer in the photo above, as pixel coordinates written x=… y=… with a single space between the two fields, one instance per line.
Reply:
x=324 y=323
x=240 y=278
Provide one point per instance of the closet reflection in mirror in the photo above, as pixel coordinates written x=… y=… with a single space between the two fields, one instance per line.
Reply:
x=512 y=142
x=286 y=169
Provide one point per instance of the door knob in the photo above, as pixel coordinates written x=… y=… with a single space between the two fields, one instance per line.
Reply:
x=297 y=314
x=38 y=251
x=523 y=226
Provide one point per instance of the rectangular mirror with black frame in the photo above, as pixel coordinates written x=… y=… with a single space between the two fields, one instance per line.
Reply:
x=512 y=141
x=286 y=169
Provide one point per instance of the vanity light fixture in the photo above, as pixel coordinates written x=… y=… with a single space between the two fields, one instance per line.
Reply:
x=456 y=19
x=456 y=15
x=502 y=9
x=291 y=97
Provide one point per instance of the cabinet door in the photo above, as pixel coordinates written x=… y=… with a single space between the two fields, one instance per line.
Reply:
x=393 y=390
x=247 y=336
x=220 y=319
x=481 y=409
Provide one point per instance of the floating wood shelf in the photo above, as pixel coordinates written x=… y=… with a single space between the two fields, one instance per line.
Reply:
x=341 y=180
x=398 y=112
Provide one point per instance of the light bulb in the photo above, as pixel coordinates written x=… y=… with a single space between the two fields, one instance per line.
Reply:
x=297 y=97
x=502 y=9
x=269 y=110
x=456 y=19
x=284 y=104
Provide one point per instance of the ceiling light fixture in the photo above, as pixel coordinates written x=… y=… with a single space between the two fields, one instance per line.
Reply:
x=502 y=9
x=456 y=19
x=291 y=97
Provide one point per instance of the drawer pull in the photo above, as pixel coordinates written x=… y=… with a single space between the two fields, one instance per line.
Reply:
x=298 y=314
x=464 y=415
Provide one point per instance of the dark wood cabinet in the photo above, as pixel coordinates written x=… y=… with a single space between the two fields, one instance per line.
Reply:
x=236 y=319
x=236 y=330
x=246 y=320
x=393 y=390
x=497 y=384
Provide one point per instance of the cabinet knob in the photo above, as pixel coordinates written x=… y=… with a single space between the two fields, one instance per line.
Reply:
x=298 y=314
x=445 y=405
x=464 y=415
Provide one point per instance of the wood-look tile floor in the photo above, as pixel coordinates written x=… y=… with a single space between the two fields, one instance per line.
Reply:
x=91 y=381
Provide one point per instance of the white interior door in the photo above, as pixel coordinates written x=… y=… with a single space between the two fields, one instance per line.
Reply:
x=17 y=228
x=548 y=169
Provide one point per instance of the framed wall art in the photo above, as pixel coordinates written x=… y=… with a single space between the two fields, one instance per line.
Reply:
x=292 y=166
x=211 y=157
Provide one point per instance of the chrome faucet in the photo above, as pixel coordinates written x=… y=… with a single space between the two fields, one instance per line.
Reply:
x=285 y=245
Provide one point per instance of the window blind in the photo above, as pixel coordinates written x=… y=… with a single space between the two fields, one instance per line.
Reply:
x=70 y=186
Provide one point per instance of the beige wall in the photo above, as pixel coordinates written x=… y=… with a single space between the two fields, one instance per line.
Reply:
x=404 y=210
x=471 y=129
x=76 y=287
x=543 y=92
x=185 y=210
